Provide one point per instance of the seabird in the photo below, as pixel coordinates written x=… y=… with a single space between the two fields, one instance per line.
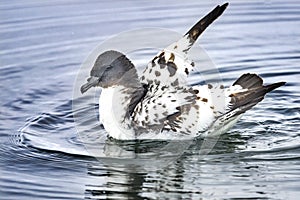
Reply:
x=158 y=104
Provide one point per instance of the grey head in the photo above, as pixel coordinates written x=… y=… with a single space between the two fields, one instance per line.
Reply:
x=111 y=68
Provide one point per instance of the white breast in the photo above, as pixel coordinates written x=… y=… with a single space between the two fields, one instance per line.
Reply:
x=112 y=110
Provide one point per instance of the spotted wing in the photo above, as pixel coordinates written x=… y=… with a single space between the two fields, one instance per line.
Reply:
x=164 y=109
x=172 y=66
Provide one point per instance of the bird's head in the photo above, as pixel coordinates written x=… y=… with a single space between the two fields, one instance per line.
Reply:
x=110 y=68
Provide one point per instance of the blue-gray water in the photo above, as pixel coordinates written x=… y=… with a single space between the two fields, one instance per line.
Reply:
x=43 y=44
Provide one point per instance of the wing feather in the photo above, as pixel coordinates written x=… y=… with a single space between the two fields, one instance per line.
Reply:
x=172 y=65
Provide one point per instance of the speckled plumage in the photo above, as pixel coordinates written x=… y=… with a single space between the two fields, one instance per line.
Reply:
x=159 y=104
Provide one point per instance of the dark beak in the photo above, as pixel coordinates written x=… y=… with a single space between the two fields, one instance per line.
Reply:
x=92 y=82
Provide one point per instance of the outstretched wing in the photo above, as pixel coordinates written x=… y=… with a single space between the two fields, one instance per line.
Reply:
x=253 y=91
x=172 y=66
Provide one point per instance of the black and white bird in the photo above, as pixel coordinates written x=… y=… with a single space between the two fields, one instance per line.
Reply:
x=159 y=105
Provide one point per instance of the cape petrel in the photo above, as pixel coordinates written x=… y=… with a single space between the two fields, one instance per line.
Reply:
x=158 y=104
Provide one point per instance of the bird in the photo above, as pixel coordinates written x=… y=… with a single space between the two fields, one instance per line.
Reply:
x=158 y=104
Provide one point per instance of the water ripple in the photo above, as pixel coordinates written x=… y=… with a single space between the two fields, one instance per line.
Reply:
x=43 y=44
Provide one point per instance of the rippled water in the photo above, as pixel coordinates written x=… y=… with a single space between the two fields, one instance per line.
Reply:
x=43 y=44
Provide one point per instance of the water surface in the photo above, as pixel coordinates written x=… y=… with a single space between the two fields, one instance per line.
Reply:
x=44 y=43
